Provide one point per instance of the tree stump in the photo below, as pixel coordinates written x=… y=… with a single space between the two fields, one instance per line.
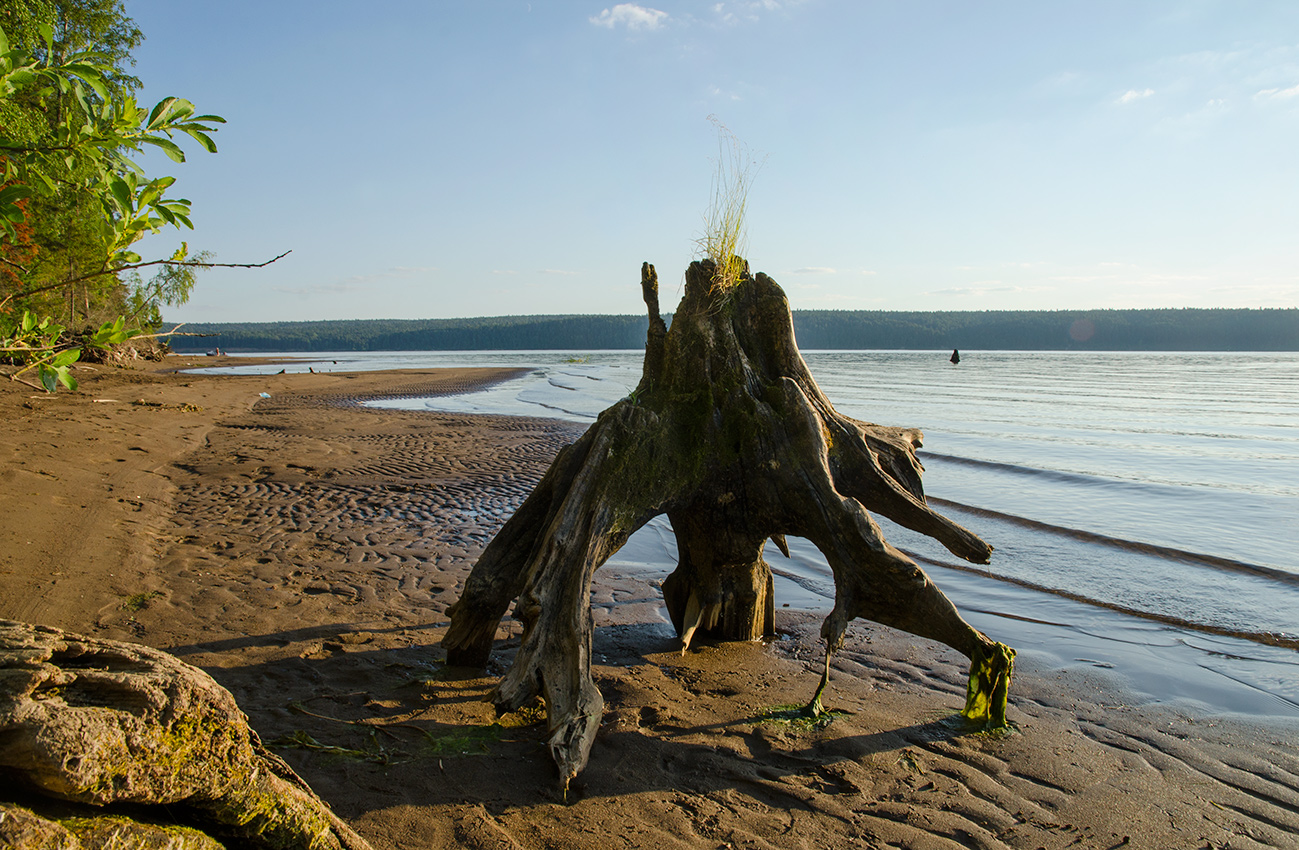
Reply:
x=729 y=435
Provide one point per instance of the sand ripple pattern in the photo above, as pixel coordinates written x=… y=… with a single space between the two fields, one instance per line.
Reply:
x=316 y=546
x=314 y=502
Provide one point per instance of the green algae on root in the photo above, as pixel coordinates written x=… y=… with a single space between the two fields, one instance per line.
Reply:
x=989 y=686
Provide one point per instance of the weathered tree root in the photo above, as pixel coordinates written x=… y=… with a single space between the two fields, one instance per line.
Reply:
x=985 y=696
x=99 y=722
x=814 y=707
x=729 y=435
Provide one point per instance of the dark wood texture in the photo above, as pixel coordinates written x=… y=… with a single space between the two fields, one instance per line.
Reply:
x=729 y=435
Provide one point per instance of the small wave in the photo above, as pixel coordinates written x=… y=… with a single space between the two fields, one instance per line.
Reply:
x=1241 y=680
x=1141 y=480
x=1017 y=469
x=811 y=585
x=1286 y=641
x=1212 y=561
x=580 y=414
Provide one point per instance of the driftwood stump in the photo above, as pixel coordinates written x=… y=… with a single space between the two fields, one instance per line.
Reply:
x=102 y=723
x=729 y=435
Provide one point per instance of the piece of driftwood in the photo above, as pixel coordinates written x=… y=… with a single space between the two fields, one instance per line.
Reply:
x=729 y=435
x=98 y=722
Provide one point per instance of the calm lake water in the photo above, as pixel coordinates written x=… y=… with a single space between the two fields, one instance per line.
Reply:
x=1164 y=485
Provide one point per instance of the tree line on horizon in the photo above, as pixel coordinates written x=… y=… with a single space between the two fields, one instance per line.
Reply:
x=1187 y=329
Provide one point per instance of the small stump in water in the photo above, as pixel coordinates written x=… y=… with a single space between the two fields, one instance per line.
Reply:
x=729 y=435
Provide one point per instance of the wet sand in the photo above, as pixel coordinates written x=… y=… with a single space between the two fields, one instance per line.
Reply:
x=304 y=550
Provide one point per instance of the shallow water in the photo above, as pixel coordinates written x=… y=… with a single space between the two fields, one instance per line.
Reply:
x=1163 y=485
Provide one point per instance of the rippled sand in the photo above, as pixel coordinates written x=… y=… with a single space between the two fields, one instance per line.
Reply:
x=304 y=551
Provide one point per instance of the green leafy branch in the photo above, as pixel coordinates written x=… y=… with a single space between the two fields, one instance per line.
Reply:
x=40 y=344
x=94 y=132
x=93 y=145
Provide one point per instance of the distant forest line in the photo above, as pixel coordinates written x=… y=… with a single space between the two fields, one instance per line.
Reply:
x=1017 y=330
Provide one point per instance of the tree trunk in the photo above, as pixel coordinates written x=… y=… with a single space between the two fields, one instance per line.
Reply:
x=721 y=585
x=729 y=435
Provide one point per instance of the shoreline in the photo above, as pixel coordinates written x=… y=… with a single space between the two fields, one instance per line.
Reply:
x=304 y=554
x=1175 y=661
x=1145 y=659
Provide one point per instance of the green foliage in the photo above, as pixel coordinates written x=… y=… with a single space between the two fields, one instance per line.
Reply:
x=170 y=285
x=98 y=26
x=90 y=146
x=1052 y=330
x=42 y=345
x=35 y=343
x=73 y=199
x=139 y=601
x=725 y=233
x=799 y=716
x=516 y=333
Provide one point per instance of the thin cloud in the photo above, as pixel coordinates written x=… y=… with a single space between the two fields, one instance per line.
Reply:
x=565 y=272
x=1267 y=288
x=814 y=270
x=1132 y=95
x=977 y=290
x=1278 y=93
x=357 y=282
x=735 y=11
x=847 y=298
x=386 y=274
x=631 y=16
x=323 y=289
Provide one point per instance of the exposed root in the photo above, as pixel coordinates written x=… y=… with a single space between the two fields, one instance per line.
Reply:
x=991 y=668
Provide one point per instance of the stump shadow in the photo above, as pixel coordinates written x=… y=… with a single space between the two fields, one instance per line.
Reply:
x=383 y=722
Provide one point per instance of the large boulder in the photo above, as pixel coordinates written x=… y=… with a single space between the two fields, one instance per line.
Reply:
x=99 y=722
x=22 y=828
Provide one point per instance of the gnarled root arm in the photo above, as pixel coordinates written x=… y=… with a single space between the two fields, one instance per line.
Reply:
x=502 y=570
x=877 y=466
x=814 y=708
x=590 y=511
x=554 y=657
x=872 y=579
x=876 y=582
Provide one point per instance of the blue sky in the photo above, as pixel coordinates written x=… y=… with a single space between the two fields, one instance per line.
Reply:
x=455 y=158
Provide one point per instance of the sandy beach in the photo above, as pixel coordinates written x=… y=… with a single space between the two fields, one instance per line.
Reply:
x=304 y=549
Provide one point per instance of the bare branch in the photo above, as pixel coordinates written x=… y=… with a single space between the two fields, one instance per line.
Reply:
x=15 y=377
x=173 y=332
x=80 y=278
x=188 y=264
